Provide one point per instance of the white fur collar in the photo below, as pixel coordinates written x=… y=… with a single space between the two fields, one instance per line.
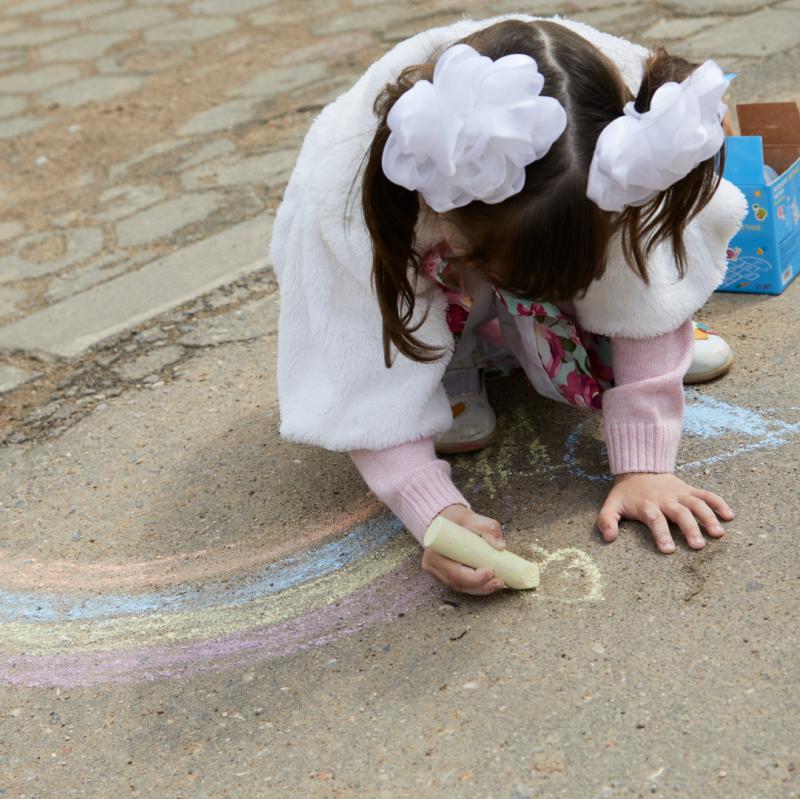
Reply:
x=621 y=304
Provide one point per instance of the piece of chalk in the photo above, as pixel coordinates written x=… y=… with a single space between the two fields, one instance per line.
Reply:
x=460 y=544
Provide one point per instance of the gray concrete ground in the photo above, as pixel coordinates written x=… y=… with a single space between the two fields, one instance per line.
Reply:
x=191 y=607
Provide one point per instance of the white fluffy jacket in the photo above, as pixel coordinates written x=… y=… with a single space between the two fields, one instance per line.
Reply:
x=334 y=390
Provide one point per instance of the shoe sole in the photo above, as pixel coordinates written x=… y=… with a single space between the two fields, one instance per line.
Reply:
x=460 y=447
x=705 y=377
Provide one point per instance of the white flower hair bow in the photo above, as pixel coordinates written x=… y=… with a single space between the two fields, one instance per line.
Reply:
x=470 y=133
x=639 y=155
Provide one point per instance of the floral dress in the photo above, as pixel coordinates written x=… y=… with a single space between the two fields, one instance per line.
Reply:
x=561 y=360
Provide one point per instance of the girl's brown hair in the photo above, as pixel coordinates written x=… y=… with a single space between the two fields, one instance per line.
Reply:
x=549 y=241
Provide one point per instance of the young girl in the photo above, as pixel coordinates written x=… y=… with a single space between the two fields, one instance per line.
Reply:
x=519 y=189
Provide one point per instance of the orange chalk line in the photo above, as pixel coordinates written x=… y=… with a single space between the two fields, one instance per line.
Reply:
x=19 y=572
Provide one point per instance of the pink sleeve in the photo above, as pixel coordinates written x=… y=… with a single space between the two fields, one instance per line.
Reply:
x=411 y=481
x=643 y=413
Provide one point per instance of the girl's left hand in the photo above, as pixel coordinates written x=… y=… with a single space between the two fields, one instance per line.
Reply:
x=656 y=500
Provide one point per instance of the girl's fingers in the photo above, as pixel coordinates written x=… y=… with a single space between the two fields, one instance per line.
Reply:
x=656 y=521
x=489 y=588
x=706 y=516
x=608 y=521
x=717 y=503
x=459 y=577
x=489 y=530
x=429 y=565
x=684 y=518
x=463 y=577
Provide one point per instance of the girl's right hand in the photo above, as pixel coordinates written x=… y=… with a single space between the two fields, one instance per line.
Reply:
x=457 y=576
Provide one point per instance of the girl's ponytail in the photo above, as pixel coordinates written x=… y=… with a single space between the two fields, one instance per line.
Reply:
x=390 y=213
x=665 y=217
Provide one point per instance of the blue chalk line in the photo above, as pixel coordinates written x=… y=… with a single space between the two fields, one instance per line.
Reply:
x=363 y=540
x=707 y=418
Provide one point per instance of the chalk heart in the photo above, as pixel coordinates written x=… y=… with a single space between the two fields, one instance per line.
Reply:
x=567 y=575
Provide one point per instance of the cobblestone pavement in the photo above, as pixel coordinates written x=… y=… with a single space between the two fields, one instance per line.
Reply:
x=190 y=606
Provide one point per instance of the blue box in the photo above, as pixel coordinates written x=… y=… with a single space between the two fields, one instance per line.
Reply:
x=764 y=256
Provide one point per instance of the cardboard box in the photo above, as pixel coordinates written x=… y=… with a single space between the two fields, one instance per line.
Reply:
x=764 y=256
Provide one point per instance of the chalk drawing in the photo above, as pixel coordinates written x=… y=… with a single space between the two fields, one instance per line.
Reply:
x=710 y=419
x=278 y=576
x=491 y=470
x=74 y=624
x=577 y=561
x=368 y=575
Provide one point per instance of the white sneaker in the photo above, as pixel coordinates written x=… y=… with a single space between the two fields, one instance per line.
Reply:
x=474 y=422
x=712 y=356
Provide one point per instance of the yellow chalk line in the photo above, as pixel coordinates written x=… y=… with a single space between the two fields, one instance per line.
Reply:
x=578 y=559
x=128 y=632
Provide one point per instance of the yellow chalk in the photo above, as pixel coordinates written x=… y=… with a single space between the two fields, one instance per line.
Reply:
x=456 y=542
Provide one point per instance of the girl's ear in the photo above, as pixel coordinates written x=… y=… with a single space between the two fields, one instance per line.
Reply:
x=666 y=216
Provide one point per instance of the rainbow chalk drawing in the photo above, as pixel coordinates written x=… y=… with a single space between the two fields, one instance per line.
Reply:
x=74 y=637
x=706 y=419
x=68 y=624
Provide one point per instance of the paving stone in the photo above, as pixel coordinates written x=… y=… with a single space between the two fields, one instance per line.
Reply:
x=32 y=36
x=71 y=327
x=543 y=9
x=330 y=49
x=12 y=105
x=131 y=19
x=10 y=298
x=619 y=18
x=227 y=6
x=269 y=169
x=123 y=201
x=222 y=117
x=11 y=377
x=17 y=126
x=145 y=59
x=701 y=8
x=7 y=25
x=32 y=6
x=152 y=362
x=39 y=79
x=326 y=92
x=46 y=253
x=154 y=151
x=763 y=33
x=294 y=14
x=680 y=28
x=190 y=30
x=166 y=218
x=106 y=268
x=246 y=323
x=207 y=152
x=91 y=90
x=9 y=230
x=81 y=48
x=280 y=80
x=793 y=4
x=368 y=18
x=11 y=59
x=83 y=11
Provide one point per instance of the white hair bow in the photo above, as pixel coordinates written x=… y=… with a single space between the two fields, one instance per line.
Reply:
x=470 y=133
x=639 y=155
